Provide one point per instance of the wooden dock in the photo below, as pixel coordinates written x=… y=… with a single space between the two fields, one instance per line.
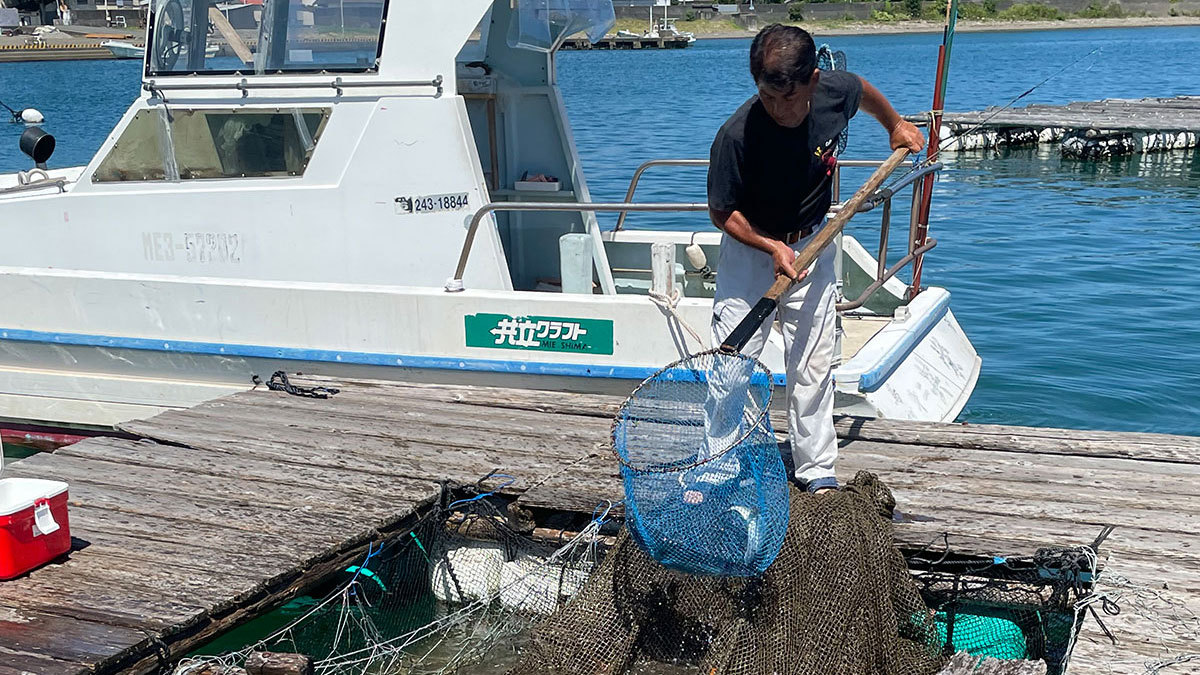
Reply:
x=85 y=51
x=221 y=512
x=1082 y=128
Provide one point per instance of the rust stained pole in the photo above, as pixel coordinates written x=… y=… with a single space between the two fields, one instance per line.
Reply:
x=939 y=98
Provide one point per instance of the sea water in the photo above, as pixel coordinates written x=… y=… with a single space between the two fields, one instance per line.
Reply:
x=1074 y=280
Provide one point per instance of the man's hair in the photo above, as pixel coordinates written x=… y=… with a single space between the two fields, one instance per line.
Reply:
x=782 y=57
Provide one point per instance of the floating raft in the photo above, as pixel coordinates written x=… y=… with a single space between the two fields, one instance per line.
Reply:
x=627 y=43
x=210 y=516
x=1085 y=129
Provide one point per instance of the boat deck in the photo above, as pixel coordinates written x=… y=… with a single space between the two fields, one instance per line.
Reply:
x=218 y=513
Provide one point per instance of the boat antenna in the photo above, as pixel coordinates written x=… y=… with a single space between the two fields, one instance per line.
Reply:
x=935 y=125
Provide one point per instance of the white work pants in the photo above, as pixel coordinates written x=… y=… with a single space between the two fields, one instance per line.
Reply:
x=808 y=317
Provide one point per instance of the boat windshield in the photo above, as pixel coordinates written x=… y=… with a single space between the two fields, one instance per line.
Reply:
x=264 y=36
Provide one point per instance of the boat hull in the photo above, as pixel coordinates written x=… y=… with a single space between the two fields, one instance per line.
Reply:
x=154 y=344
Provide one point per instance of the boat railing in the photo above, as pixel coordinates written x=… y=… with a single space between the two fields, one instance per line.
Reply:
x=455 y=283
x=33 y=185
x=244 y=85
x=882 y=197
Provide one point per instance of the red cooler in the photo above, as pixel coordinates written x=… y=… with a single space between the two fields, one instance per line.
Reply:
x=33 y=523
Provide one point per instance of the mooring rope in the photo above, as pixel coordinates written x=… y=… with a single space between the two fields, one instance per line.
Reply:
x=670 y=304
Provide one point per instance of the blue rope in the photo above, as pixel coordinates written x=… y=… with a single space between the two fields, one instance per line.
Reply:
x=359 y=569
x=485 y=495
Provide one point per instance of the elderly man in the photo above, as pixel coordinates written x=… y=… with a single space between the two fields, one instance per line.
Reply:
x=769 y=187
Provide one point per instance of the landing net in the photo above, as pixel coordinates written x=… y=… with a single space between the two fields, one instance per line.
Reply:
x=705 y=487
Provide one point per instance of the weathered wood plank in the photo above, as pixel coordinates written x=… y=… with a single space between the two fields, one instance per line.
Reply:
x=13 y=662
x=254 y=413
x=349 y=482
x=1068 y=442
x=464 y=464
x=72 y=640
x=245 y=505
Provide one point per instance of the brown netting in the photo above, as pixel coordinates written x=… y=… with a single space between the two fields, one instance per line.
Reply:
x=838 y=599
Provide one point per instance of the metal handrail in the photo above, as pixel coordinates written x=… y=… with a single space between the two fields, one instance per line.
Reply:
x=637 y=177
x=882 y=196
x=244 y=85
x=455 y=282
x=60 y=183
x=883 y=276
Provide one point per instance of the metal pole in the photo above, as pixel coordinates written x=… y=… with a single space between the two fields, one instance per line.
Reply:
x=637 y=177
x=939 y=99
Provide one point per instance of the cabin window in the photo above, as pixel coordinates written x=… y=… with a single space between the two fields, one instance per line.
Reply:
x=271 y=36
x=214 y=144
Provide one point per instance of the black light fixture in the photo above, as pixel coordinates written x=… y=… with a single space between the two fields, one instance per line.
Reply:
x=38 y=144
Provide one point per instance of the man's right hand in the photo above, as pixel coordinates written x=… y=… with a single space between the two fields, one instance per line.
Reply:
x=784 y=256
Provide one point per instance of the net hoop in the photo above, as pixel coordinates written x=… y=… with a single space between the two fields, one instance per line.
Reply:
x=674 y=468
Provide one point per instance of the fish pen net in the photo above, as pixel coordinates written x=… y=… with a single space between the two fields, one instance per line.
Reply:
x=458 y=589
x=839 y=598
x=462 y=592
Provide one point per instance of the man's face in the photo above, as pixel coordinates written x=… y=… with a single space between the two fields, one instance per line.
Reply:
x=788 y=108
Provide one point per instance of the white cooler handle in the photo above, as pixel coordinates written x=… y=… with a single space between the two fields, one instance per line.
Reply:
x=43 y=520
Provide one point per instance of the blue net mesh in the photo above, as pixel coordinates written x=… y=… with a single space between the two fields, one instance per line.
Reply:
x=705 y=487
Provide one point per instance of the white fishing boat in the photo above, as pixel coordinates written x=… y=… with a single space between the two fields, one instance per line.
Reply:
x=124 y=50
x=350 y=207
x=127 y=50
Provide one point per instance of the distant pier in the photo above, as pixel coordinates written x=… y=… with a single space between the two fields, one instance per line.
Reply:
x=1083 y=129
x=53 y=52
x=628 y=43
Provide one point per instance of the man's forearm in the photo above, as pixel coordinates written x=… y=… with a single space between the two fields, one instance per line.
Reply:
x=737 y=226
x=877 y=106
x=901 y=134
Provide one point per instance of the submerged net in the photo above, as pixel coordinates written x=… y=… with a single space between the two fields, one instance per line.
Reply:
x=838 y=599
x=705 y=487
x=459 y=589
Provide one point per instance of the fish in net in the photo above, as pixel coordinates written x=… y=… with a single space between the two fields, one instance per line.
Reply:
x=837 y=599
x=705 y=487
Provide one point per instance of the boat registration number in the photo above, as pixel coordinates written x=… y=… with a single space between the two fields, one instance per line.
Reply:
x=431 y=203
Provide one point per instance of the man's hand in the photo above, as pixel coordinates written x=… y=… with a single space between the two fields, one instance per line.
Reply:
x=784 y=257
x=906 y=135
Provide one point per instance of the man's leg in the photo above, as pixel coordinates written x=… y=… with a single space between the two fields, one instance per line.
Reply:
x=809 y=318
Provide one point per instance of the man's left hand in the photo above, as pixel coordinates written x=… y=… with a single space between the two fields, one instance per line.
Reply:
x=906 y=135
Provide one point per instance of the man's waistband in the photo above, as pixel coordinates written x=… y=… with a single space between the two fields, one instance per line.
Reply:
x=793 y=237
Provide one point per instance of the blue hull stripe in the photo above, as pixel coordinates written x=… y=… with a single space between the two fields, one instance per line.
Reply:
x=636 y=373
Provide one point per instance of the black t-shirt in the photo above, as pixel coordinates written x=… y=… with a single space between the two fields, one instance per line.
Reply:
x=778 y=177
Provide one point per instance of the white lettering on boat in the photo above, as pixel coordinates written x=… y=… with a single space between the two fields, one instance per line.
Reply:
x=193 y=247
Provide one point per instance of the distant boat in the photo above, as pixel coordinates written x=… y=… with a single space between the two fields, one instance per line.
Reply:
x=128 y=50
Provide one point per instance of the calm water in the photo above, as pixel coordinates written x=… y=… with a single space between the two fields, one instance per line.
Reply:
x=1073 y=280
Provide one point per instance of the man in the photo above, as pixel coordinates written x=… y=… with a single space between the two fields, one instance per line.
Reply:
x=769 y=187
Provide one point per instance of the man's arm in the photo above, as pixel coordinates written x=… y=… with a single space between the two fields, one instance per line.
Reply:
x=902 y=134
x=735 y=224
